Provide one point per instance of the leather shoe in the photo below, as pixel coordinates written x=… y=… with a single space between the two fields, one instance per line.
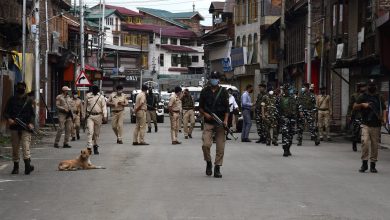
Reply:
x=56 y=146
x=119 y=142
x=246 y=140
x=176 y=142
x=135 y=143
x=190 y=135
x=143 y=143
x=73 y=138
x=67 y=146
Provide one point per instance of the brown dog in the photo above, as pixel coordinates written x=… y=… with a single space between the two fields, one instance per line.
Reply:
x=82 y=162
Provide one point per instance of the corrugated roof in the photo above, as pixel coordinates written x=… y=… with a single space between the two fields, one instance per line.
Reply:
x=124 y=11
x=97 y=14
x=162 y=14
x=170 y=31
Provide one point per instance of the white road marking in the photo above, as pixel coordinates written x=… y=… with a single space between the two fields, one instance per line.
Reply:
x=4 y=181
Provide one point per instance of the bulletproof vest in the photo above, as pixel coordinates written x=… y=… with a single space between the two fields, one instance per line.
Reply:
x=286 y=105
x=306 y=101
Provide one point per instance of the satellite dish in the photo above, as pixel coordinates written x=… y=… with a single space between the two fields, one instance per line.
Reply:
x=121 y=69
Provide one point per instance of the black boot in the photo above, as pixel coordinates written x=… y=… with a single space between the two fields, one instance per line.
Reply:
x=288 y=150
x=364 y=166
x=28 y=168
x=217 y=172
x=73 y=138
x=15 y=170
x=78 y=136
x=285 y=153
x=372 y=168
x=95 y=149
x=354 y=147
x=149 y=129
x=209 y=168
x=155 y=129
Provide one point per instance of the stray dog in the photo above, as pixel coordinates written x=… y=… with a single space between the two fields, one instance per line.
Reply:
x=82 y=162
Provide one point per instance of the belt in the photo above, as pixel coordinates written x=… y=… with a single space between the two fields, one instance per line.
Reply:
x=95 y=113
x=323 y=109
x=117 y=111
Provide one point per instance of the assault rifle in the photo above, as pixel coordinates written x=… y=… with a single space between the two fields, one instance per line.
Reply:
x=220 y=123
x=25 y=126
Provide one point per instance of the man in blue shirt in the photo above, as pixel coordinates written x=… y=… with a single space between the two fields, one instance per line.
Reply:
x=246 y=105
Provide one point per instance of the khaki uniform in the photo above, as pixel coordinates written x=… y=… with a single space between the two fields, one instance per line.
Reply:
x=175 y=107
x=140 y=126
x=95 y=116
x=370 y=142
x=324 y=113
x=77 y=108
x=188 y=114
x=118 y=103
x=65 y=121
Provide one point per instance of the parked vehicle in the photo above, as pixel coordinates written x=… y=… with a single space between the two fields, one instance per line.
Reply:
x=165 y=99
x=160 y=106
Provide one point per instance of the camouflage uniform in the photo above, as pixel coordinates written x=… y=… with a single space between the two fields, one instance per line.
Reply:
x=261 y=130
x=271 y=118
x=307 y=106
x=288 y=111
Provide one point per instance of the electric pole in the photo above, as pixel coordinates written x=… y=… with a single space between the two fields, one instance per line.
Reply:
x=308 y=71
x=281 y=42
x=82 y=63
x=37 y=62
x=24 y=40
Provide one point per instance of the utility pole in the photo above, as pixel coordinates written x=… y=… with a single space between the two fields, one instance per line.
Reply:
x=46 y=52
x=281 y=43
x=24 y=40
x=308 y=47
x=103 y=30
x=141 y=67
x=82 y=63
x=322 y=53
x=37 y=62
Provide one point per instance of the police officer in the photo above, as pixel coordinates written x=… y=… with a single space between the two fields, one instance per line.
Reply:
x=188 y=113
x=174 y=107
x=118 y=101
x=65 y=117
x=355 y=116
x=308 y=111
x=77 y=108
x=214 y=99
x=288 y=110
x=20 y=107
x=373 y=110
x=95 y=113
x=324 y=113
x=151 y=114
x=140 y=109
x=270 y=113
x=261 y=128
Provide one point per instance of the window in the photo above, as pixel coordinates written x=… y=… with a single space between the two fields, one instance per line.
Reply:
x=238 y=42
x=164 y=40
x=134 y=39
x=162 y=59
x=202 y=57
x=116 y=40
x=243 y=15
x=253 y=10
x=255 y=47
x=129 y=20
x=185 y=60
x=185 y=42
x=237 y=13
x=272 y=52
x=195 y=59
x=137 y=20
x=174 y=60
x=174 y=41
x=127 y=39
x=110 y=21
x=244 y=41
x=117 y=23
x=94 y=40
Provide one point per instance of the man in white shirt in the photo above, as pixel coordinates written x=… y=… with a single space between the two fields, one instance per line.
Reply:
x=233 y=107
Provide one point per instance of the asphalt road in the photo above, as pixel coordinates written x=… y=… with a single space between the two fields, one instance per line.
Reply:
x=162 y=181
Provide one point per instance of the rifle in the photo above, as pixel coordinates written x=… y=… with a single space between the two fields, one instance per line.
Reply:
x=25 y=126
x=89 y=113
x=220 y=123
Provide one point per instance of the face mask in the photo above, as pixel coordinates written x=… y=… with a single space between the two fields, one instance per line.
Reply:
x=271 y=92
x=291 y=92
x=20 y=90
x=372 y=89
x=119 y=92
x=214 y=82
x=303 y=89
x=75 y=96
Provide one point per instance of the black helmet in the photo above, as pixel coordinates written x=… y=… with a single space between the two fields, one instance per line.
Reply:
x=214 y=75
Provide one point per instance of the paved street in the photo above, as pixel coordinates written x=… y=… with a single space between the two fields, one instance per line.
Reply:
x=162 y=181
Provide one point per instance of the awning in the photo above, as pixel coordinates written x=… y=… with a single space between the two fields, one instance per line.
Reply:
x=175 y=48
